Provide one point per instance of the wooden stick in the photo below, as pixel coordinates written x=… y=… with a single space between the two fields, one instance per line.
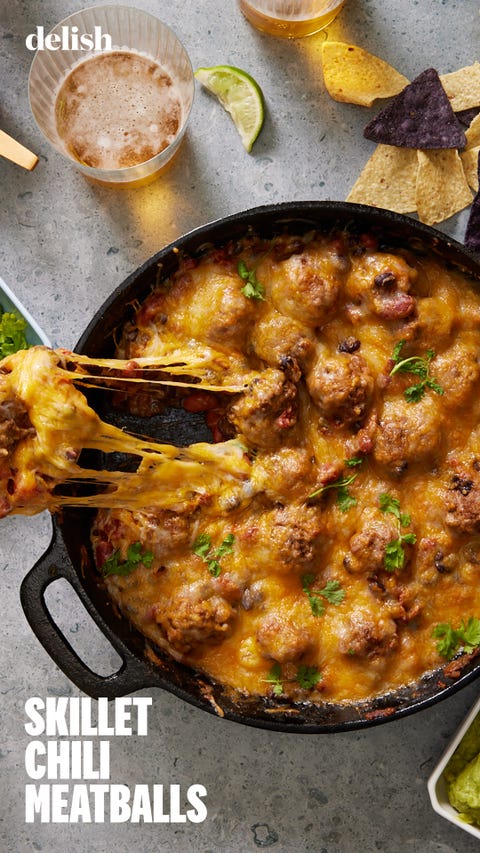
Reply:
x=13 y=150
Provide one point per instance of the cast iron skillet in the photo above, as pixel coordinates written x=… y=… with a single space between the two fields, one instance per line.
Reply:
x=69 y=555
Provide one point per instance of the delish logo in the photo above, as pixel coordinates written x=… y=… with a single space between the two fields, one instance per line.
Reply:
x=69 y=39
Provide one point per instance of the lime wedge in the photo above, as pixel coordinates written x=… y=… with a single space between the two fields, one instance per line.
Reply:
x=240 y=95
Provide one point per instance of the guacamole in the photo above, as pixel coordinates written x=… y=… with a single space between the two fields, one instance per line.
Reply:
x=462 y=775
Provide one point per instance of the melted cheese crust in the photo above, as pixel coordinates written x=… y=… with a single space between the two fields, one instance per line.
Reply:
x=321 y=342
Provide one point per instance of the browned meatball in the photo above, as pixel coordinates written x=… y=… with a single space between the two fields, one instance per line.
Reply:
x=14 y=424
x=367 y=546
x=382 y=282
x=341 y=387
x=306 y=285
x=266 y=410
x=408 y=433
x=462 y=499
x=282 y=640
x=288 y=473
x=161 y=532
x=275 y=336
x=368 y=634
x=457 y=371
x=197 y=613
x=283 y=538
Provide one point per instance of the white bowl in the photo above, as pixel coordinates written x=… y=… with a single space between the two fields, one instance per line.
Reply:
x=437 y=786
x=9 y=302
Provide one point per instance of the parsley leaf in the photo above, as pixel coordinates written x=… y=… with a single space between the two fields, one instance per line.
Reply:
x=345 y=500
x=12 y=333
x=308 y=676
x=252 y=288
x=419 y=367
x=394 y=552
x=275 y=677
x=332 y=592
x=202 y=547
x=451 y=640
x=115 y=566
x=354 y=461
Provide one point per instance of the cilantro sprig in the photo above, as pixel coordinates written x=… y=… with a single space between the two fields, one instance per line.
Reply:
x=451 y=640
x=252 y=289
x=395 y=551
x=307 y=677
x=116 y=566
x=202 y=547
x=419 y=367
x=12 y=333
x=345 y=500
x=332 y=592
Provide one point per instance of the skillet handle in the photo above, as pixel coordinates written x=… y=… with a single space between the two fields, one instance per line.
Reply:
x=55 y=563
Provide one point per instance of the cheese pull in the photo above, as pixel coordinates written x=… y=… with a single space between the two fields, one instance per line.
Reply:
x=46 y=422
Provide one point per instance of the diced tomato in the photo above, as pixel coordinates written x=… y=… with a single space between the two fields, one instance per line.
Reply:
x=200 y=401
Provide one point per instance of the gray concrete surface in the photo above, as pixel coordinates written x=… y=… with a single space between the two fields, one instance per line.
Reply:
x=64 y=246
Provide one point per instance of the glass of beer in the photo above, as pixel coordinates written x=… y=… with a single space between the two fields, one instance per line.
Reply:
x=117 y=110
x=291 y=18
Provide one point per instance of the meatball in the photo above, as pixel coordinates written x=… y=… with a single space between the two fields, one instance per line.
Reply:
x=162 y=532
x=275 y=336
x=306 y=286
x=462 y=499
x=341 y=387
x=204 y=302
x=287 y=473
x=282 y=640
x=368 y=633
x=14 y=425
x=408 y=433
x=457 y=371
x=283 y=538
x=367 y=546
x=266 y=410
x=197 y=613
x=382 y=282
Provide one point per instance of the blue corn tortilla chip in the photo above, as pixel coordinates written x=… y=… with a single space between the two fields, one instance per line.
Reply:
x=472 y=233
x=466 y=116
x=421 y=116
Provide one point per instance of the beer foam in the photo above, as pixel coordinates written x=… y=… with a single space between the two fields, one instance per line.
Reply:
x=117 y=110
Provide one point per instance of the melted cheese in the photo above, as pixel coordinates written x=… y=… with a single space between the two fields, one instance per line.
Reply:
x=305 y=376
x=63 y=424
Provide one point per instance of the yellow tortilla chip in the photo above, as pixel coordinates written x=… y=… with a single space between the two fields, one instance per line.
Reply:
x=442 y=187
x=463 y=87
x=470 y=166
x=354 y=76
x=473 y=133
x=388 y=180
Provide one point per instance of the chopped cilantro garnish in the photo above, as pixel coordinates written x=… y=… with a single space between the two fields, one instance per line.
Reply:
x=345 y=500
x=202 y=547
x=451 y=640
x=419 y=367
x=115 y=566
x=394 y=551
x=308 y=676
x=275 y=677
x=353 y=461
x=391 y=504
x=252 y=288
x=12 y=333
x=332 y=592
